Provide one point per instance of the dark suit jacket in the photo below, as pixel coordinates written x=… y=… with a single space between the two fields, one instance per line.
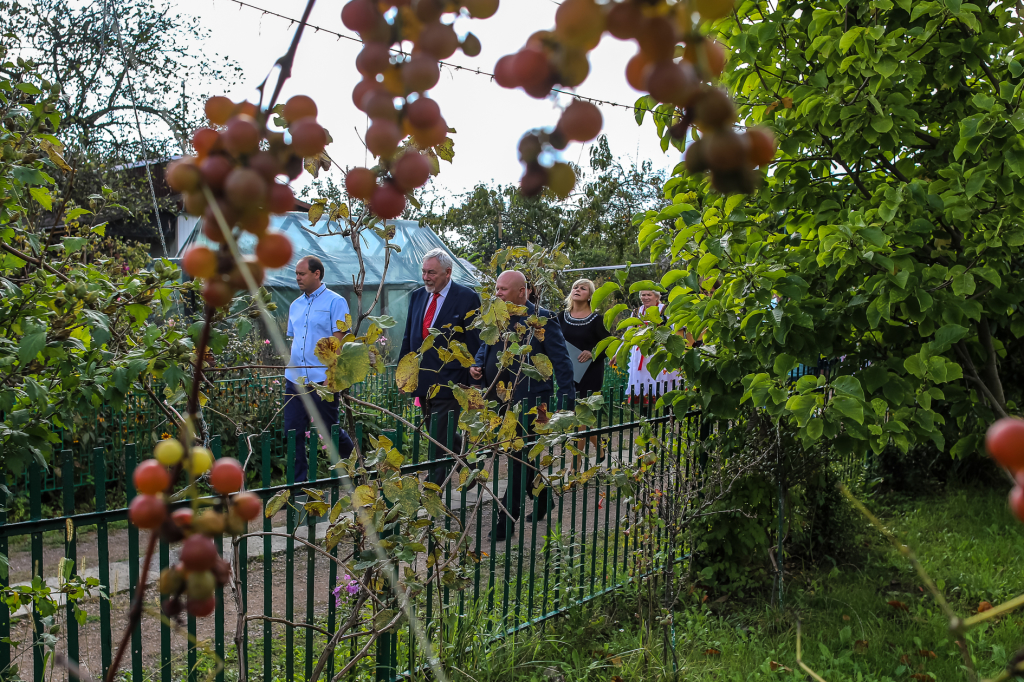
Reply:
x=459 y=301
x=553 y=346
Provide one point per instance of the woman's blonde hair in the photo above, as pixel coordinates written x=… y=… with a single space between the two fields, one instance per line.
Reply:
x=568 y=299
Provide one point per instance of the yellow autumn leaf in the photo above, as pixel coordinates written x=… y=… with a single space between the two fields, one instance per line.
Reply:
x=276 y=502
x=363 y=496
x=373 y=333
x=54 y=152
x=395 y=459
x=407 y=375
x=326 y=350
x=460 y=352
x=316 y=211
x=543 y=365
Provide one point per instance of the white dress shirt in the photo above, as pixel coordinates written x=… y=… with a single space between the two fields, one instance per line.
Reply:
x=440 y=302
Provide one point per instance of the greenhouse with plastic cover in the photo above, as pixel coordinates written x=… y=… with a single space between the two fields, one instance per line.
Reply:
x=341 y=265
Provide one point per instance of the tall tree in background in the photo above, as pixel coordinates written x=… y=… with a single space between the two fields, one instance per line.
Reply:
x=596 y=222
x=887 y=241
x=104 y=55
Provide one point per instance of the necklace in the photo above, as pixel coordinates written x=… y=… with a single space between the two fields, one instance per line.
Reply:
x=577 y=322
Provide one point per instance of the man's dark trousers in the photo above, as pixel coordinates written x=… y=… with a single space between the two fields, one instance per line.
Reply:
x=518 y=469
x=443 y=408
x=297 y=419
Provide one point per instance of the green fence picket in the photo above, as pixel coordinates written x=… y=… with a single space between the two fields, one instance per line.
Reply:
x=312 y=446
x=70 y=545
x=100 y=477
x=133 y=559
x=289 y=567
x=35 y=512
x=241 y=559
x=332 y=568
x=5 y=582
x=218 y=613
x=165 y=628
x=268 y=570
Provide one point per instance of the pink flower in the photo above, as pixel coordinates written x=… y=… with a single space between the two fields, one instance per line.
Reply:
x=349 y=584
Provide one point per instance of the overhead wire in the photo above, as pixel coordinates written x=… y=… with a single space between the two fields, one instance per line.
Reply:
x=451 y=65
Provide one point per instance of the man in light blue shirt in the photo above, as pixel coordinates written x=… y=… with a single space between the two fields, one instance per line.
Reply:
x=314 y=315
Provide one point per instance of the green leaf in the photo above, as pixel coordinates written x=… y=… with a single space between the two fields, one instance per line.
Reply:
x=801 y=406
x=73 y=244
x=947 y=335
x=409 y=497
x=707 y=261
x=873 y=235
x=612 y=313
x=989 y=275
x=815 y=428
x=848 y=385
x=433 y=504
x=140 y=312
x=243 y=327
x=276 y=502
x=643 y=285
x=914 y=365
x=42 y=196
x=350 y=368
x=31 y=345
x=31 y=176
x=446 y=150
x=848 y=407
x=602 y=293
x=882 y=124
x=847 y=40
x=784 y=364
x=976 y=182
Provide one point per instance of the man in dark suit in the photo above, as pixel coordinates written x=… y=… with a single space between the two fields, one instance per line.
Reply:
x=511 y=287
x=443 y=305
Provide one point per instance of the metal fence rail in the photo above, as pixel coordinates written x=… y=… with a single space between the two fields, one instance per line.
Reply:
x=582 y=549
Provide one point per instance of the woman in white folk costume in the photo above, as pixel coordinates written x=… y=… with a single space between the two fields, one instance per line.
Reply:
x=640 y=379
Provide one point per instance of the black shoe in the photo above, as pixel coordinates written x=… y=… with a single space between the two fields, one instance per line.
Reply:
x=540 y=514
x=505 y=528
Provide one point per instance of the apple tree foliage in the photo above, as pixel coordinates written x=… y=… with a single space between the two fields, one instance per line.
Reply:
x=869 y=293
x=75 y=334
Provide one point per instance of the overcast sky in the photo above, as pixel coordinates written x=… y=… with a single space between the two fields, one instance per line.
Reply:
x=489 y=120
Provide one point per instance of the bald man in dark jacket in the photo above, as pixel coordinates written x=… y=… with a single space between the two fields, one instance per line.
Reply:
x=511 y=287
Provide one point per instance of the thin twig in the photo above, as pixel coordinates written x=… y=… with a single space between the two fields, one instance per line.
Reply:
x=35 y=261
x=289 y=623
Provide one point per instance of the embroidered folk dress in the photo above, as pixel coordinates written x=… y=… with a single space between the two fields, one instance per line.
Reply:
x=640 y=379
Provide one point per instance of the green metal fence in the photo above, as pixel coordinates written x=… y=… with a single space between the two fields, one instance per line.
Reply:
x=582 y=549
x=240 y=405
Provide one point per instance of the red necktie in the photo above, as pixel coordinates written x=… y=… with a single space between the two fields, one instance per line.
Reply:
x=429 y=317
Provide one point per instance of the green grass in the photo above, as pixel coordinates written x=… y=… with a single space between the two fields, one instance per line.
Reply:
x=966 y=539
